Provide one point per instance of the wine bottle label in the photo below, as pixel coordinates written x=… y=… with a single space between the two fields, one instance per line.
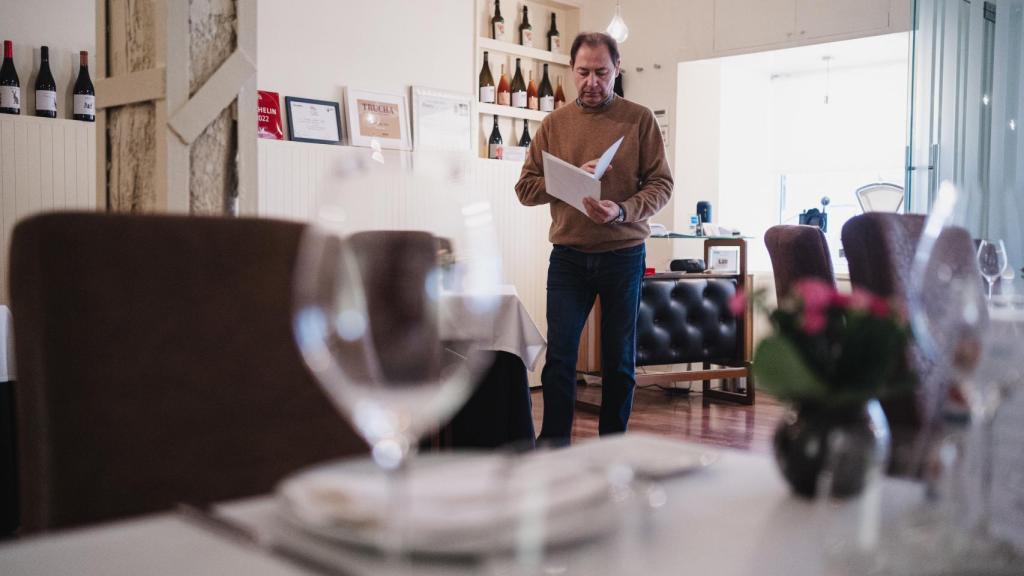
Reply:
x=547 y=103
x=556 y=44
x=495 y=151
x=85 y=104
x=531 y=102
x=46 y=100
x=504 y=98
x=499 y=30
x=519 y=99
x=487 y=94
x=528 y=38
x=10 y=97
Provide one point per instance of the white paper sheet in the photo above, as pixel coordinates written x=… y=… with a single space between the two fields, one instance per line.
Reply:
x=572 y=184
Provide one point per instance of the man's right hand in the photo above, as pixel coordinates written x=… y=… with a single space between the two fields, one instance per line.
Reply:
x=592 y=165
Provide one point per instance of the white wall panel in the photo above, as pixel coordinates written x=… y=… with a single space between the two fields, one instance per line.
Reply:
x=45 y=164
x=292 y=174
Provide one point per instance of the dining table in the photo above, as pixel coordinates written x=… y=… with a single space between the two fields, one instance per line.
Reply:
x=733 y=515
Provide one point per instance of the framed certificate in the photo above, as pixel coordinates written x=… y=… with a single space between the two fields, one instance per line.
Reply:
x=379 y=117
x=317 y=121
x=441 y=120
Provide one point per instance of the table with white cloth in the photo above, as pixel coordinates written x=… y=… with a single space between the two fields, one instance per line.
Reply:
x=500 y=410
x=731 y=518
x=8 y=475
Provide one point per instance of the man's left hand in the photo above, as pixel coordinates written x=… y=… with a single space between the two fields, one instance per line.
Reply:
x=601 y=211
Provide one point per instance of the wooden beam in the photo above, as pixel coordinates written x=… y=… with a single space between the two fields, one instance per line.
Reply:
x=220 y=90
x=175 y=43
x=247 y=192
x=102 y=195
x=130 y=88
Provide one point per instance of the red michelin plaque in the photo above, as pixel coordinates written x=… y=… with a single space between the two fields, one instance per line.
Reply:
x=268 y=110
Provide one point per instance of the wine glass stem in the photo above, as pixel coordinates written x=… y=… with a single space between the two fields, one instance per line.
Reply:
x=990 y=283
x=394 y=544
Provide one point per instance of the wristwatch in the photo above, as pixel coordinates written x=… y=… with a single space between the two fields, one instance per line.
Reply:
x=621 y=217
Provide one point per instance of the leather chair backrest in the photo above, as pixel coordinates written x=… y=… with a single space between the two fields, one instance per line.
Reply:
x=797 y=252
x=880 y=248
x=687 y=320
x=157 y=365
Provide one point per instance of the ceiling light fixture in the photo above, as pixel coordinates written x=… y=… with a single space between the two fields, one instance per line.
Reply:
x=617 y=28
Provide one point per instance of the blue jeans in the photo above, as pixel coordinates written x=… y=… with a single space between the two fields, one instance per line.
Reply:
x=574 y=279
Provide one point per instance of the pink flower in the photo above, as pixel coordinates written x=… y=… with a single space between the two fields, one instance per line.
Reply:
x=816 y=294
x=738 y=304
x=880 y=308
x=861 y=299
x=814 y=322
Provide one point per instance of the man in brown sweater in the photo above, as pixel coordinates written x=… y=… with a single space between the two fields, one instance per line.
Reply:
x=600 y=253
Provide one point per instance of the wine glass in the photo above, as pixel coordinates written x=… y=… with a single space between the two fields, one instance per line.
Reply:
x=991 y=261
x=396 y=288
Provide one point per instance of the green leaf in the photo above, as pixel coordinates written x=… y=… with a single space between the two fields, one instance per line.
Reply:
x=782 y=372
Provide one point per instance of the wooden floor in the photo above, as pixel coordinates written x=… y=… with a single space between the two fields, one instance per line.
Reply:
x=683 y=416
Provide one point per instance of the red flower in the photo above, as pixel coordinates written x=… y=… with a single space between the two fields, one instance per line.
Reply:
x=861 y=299
x=880 y=308
x=816 y=294
x=738 y=303
x=814 y=322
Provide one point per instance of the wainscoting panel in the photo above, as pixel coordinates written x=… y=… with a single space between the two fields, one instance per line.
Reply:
x=292 y=174
x=45 y=164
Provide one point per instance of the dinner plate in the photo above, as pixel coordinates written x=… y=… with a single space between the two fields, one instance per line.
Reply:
x=647 y=455
x=453 y=504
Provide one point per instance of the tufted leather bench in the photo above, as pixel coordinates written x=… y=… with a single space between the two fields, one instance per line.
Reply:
x=685 y=319
x=688 y=320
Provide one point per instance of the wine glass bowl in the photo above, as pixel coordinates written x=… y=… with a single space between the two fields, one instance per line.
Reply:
x=395 y=291
x=991 y=261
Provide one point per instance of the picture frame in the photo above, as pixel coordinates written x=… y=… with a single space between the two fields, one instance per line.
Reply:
x=442 y=120
x=378 y=117
x=724 y=259
x=315 y=121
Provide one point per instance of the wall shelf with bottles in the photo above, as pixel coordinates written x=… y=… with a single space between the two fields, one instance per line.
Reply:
x=546 y=54
x=510 y=112
x=496 y=46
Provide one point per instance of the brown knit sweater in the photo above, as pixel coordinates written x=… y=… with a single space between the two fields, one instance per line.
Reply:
x=639 y=178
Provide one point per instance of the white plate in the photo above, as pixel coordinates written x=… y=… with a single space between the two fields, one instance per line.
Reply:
x=647 y=455
x=454 y=505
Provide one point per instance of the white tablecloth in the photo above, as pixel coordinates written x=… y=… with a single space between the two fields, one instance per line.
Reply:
x=512 y=330
x=6 y=345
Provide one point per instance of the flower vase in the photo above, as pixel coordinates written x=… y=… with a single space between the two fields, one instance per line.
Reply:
x=849 y=441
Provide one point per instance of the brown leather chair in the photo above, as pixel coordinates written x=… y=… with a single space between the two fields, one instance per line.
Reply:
x=880 y=248
x=156 y=365
x=797 y=252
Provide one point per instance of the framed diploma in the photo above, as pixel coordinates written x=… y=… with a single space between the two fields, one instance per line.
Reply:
x=379 y=117
x=441 y=120
x=317 y=121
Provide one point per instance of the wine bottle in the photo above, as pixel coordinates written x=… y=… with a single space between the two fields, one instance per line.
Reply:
x=46 y=88
x=504 y=91
x=554 y=38
x=518 y=88
x=497 y=22
x=559 y=95
x=547 y=95
x=85 y=96
x=531 y=94
x=525 y=139
x=10 y=88
x=494 y=149
x=526 y=30
x=486 y=83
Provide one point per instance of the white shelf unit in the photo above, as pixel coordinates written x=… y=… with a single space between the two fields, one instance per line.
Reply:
x=505 y=52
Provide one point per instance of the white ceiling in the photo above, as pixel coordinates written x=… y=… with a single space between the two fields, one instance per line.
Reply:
x=870 y=51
